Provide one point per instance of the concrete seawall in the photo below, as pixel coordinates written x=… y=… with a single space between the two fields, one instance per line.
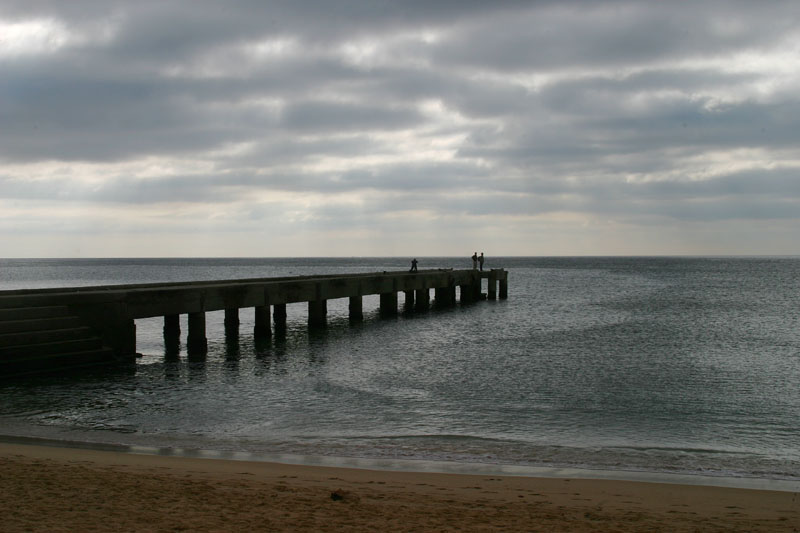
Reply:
x=49 y=329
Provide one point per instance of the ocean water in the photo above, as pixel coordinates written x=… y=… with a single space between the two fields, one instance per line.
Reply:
x=662 y=365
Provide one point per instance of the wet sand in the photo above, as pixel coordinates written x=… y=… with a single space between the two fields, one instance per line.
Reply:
x=53 y=489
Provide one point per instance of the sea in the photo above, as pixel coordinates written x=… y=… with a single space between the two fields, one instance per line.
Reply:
x=618 y=366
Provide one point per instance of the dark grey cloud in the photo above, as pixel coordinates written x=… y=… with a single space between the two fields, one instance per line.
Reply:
x=231 y=187
x=620 y=109
x=581 y=35
x=595 y=123
x=741 y=195
x=325 y=117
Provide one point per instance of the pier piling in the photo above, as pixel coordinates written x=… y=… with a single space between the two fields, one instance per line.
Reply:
x=231 y=318
x=409 y=300
x=388 y=305
x=491 y=290
x=355 y=308
x=279 y=317
x=196 y=343
x=317 y=313
x=261 y=327
x=422 y=299
x=172 y=325
x=466 y=294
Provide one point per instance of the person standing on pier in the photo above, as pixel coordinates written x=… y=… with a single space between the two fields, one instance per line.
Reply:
x=413 y=265
x=475 y=261
x=480 y=261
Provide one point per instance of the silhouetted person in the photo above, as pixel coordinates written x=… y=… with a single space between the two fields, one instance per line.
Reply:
x=480 y=260
x=413 y=265
x=475 y=261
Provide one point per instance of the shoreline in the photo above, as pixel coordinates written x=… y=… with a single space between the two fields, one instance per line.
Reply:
x=51 y=488
x=424 y=466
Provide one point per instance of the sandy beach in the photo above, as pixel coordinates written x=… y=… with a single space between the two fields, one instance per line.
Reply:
x=52 y=489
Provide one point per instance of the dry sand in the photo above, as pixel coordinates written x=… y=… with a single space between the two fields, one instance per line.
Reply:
x=60 y=489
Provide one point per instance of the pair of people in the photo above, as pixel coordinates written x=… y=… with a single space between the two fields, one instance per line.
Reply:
x=477 y=259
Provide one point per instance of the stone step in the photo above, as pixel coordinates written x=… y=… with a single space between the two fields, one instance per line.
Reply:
x=26 y=313
x=53 y=335
x=56 y=363
x=8 y=353
x=39 y=324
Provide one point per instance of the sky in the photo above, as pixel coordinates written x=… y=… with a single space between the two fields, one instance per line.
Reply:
x=200 y=128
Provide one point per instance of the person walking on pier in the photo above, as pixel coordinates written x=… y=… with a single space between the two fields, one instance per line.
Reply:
x=413 y=265
x=480 y=261
x=475 y=261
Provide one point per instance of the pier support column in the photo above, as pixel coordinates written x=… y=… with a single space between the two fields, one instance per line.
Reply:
x=504 y=287
x=116 y=329
x=123 y=334
x=409 y=300
x=423 y=299
x=491 y=291
x=197 y=342
x=279 y=316
x=262 y=328
x=317 y=313
x=356 y=309
x=388 y=304
x=172 y=336
x=467 y=293
x=439 y=296
x=444 y=296
x=231 y=318
x=172 y=326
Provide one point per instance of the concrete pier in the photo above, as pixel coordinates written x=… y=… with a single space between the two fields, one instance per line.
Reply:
x=106 y=315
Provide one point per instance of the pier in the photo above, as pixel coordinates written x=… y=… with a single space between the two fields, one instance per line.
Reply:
x=46 y=330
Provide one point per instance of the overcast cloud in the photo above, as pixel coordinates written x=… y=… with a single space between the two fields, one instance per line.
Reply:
x=361 y=127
